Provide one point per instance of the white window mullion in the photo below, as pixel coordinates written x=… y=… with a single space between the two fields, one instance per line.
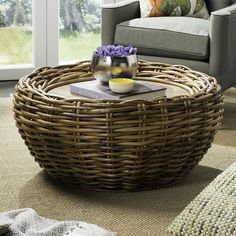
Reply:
x=39 y=32
x=52 y=32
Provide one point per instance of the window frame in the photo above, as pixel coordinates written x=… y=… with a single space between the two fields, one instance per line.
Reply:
x=45 y=42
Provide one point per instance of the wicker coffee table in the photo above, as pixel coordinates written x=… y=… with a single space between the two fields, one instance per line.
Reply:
x=112 y=144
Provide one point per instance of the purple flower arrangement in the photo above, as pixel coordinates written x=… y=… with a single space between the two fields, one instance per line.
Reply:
x=115 y=51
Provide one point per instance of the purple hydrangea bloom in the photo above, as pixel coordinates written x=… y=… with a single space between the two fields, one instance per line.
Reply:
x=115 y=51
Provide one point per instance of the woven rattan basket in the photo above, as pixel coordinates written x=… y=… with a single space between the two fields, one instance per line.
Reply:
x=115 y=144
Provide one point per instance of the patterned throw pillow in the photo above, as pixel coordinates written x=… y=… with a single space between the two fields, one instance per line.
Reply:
x=194 y=8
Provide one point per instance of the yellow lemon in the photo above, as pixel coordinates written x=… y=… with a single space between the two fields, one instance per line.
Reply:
x=116 y=70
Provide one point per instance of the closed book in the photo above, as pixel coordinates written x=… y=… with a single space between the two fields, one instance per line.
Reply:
x=93 y=89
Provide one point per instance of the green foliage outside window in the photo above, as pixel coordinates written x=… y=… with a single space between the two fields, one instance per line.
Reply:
x=79 y=26
x=79 y=15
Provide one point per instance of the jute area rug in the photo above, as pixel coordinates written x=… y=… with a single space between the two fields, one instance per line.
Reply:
x=23 y=184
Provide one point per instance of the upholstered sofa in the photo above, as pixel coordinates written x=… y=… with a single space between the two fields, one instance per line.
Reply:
x=208 y=46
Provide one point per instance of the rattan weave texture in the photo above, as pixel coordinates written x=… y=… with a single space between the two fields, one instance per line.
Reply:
x=114 y=144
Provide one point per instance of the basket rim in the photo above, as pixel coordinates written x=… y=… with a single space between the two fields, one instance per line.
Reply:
x=197 y=83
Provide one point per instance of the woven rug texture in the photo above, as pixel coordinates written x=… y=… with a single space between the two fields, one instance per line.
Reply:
x=25 y=185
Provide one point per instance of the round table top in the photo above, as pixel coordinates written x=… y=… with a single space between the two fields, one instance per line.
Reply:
x=53 y=83
x=179 y=80
x=171 y=90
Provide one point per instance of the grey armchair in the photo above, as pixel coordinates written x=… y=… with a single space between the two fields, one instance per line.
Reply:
x=208 y=46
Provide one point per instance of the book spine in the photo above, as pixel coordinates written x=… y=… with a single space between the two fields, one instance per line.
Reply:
x=148 y=95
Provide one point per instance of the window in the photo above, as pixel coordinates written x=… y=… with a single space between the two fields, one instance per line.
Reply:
x=79 y=26
x=15 y=32
x=46 y=33
x=23 y=37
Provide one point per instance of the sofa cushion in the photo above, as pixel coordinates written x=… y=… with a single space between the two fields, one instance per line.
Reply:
x=178 y=37
x=195 y=8
x=212 y=212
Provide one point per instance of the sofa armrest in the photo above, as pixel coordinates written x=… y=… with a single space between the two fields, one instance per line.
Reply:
x=222 y=44
x=113 y=14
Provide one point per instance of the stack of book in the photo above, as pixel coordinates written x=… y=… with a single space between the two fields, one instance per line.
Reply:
x=93 y=89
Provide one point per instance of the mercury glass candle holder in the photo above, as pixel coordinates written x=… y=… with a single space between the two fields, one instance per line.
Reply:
x=111 y=65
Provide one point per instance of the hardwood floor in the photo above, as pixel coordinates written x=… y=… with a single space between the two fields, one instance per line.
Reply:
x=7 y=88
